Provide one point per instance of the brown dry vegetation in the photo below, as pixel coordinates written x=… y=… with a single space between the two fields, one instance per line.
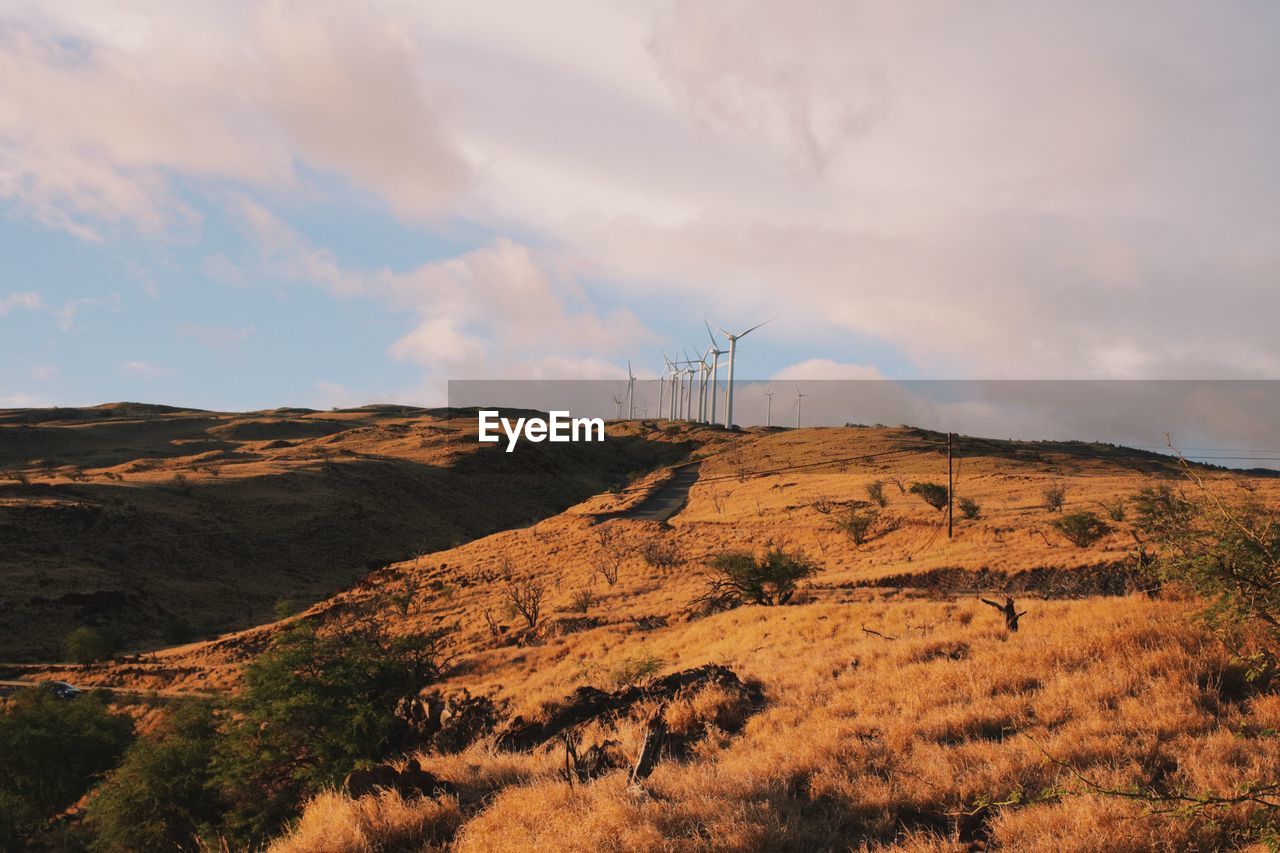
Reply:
x=138 y=518
x=896 y=703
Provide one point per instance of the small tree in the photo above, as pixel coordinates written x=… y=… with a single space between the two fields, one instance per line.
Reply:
x=875 y=492
x=1116 y=510
x=524 y=595
x=51 y=751
x=1082 y=528
x=313 y=707
x=739 y=578
x=160 y=797
x=858 y=524
x=934 y=494
x=969 y=508
x=87 y=645
x=1225 y=548
x=1055 y=496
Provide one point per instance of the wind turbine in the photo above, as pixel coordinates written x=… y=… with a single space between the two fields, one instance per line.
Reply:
x=617 y=400
x=799 y=405
x=733 y=349
x=631 y=393
x=715 y=353
x=768 y=411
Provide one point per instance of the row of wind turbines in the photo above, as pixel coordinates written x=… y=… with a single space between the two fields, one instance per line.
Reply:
x=688 y=388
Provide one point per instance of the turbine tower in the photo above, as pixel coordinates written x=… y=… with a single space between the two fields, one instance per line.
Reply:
x=631 y=393
x=733 y=351
x=768 y=411
x=799 y=405
x=715 y=353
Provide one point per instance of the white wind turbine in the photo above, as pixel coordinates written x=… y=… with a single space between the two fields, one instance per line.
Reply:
x=631 y=392
x=799 y=405
x=733 y=349
x=617 y=401
x=715 y=352
x=768 y=411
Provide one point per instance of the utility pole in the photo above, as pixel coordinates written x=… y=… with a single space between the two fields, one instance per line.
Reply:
x=951 y=487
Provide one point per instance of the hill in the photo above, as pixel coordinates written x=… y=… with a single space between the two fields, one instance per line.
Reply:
x=153 y=522
x=885 y=706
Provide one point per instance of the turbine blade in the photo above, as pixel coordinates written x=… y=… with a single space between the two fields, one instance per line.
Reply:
x=753 y=328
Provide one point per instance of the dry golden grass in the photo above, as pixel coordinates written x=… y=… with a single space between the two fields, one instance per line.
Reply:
x=888 y=713
x=873 y=741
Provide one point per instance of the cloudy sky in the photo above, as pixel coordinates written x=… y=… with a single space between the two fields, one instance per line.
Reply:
x=244 y=205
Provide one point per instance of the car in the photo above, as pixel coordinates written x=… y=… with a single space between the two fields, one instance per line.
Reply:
x=63 y=690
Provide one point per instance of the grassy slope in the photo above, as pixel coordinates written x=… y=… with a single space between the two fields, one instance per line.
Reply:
x=130 y=516
x=864 y=740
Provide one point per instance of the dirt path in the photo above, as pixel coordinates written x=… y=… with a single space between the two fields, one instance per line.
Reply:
x=668 y=500
x=123 y=694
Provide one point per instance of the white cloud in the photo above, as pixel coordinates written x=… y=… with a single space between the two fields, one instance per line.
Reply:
x=825 y=368
x=1008 y=189
x=29 y=300
x=96 y=123
x=144 y=370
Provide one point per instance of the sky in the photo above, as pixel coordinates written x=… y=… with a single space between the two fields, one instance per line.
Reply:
x=248 y=205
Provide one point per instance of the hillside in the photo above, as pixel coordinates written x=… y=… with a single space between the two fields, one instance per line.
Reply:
x=884 y=707
x=154 y=523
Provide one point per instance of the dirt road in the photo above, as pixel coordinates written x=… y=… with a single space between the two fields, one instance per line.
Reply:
x=669 y=499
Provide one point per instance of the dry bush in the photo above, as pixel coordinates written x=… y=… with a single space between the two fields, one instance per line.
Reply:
x=737 y=578
x=661 y=553
x=335 y=823
x=524 y=595
x=1055 y=496
x=582 y=600
x=875 y=493
x=969 y=508
x=858 y=524
x=824 y=506
x=710 y=706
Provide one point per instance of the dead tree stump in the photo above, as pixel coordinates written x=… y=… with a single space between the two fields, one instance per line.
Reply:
x=654 y=736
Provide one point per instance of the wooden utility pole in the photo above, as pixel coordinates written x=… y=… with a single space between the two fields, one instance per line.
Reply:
x=951 y=487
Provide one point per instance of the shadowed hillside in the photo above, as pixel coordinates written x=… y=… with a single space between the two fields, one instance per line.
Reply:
x=154 y=523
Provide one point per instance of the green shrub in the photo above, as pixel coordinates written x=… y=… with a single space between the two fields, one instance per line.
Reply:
x=635 y=670
x=969 y=508
x=1082 y=528
x=934 y=494
x=739 y=578
x=1224 y=547
x=875 y=492
x=312 y=708
x=51 y=750
x=160 y=797
x=87 y=645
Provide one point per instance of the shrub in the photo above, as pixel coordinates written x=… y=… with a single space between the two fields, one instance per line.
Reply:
x=824 y=506
x=87 y=645
x=50 y=751
x=524 y=596
x=1055 y=497
x=1226 y=549
x=857 y=523
x=739 y=578
x=875 y=492
x=969 y=508
x=661 y=553
x=582 y=600
x=1082 y=528
x=1116 y=510
x=312 y=708
x=159 y=798
x=635 y=670
x=934 y=494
